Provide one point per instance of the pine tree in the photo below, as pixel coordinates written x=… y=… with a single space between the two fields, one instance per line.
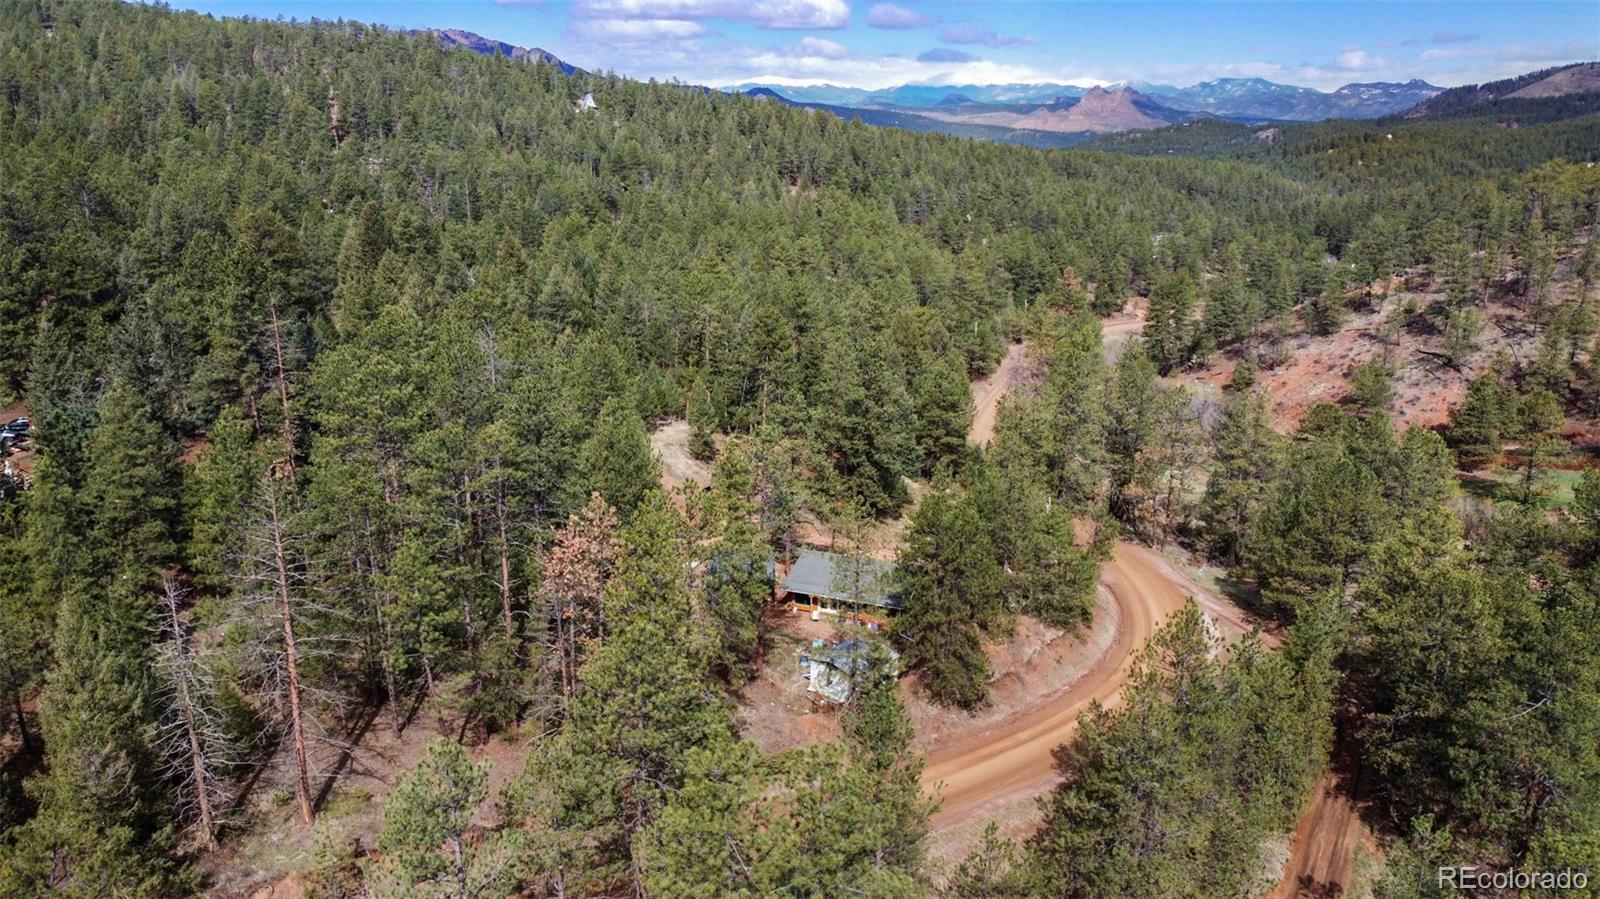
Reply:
x=616 y=461
x=132 y=489
x=1171 y=792
x=218 y=490
x=1046 y=574
x=192 y=736
x=1319 y=526
x=640 y=711
x=428 y=847
x=1328 y=309
x=865 y=421
x=24 y=631
x=702 y=417
x=577 y=569
x=421 y=616
x=102 y=826
x=1538 y=264
x=951 y=584
x=828 y=820
x=1063 y=430
x=1538 y=430
x=276 y=582
x=1372 y=386
x=1478 y=425
x=943 y=407
x=1168 y=328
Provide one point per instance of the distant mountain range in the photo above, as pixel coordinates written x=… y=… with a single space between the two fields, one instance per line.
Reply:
x=973 y=127
x=1058 y=115
x=1059 y=121
x=1238 y=98
x=920 y=95
x=1259 y=98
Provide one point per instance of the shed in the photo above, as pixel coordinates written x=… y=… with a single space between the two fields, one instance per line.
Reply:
x=835 y=669
x=831 y=580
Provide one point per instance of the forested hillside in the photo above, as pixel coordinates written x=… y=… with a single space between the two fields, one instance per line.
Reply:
x=342 y=351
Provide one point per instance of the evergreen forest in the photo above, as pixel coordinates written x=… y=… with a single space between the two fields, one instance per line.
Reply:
x=347 y=358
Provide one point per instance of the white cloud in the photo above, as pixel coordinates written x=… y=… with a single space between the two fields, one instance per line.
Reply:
x=781 y=14
x=631 y=30
x=820 y=46
x=1572 y=51
x=973 y=34
x=887 y=15
x=1355 y=59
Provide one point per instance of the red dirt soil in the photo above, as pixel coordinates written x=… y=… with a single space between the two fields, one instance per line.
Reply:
x=987 y=392
x=1325 y=841
x=982 y=771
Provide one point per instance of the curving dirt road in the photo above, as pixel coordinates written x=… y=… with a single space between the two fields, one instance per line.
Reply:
x=982 y=773
x=1014 y=760
x=989 y=769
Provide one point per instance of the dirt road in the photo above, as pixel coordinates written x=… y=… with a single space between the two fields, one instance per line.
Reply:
x=989 y=769
x=986 y=394
x=1325 y=840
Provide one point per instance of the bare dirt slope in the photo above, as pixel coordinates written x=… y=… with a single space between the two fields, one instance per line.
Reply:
x=670 y=442
x=1396 y=327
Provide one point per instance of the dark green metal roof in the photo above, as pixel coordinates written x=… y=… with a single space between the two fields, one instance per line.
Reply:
x=844 y=578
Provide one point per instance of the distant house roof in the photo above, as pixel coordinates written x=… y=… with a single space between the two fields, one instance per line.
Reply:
x=844 y=578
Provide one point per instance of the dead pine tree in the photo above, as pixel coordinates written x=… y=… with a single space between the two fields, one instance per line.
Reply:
x=276 y=582
x=576 y=570
x=191 y=733
x=279 y=365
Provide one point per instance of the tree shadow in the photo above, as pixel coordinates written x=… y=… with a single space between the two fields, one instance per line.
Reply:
x=1247 y=596
x=357 y=732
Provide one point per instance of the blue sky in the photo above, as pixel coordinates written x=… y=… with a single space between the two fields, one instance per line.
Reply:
x=878 y=44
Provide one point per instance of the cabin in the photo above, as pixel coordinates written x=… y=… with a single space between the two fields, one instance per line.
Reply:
x=826 y=583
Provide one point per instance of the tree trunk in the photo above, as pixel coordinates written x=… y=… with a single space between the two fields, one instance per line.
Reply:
x=505 y=566
x=291 y=660
x=191 y=727
x=389 y=684
x=283 y=386
x=463 y=885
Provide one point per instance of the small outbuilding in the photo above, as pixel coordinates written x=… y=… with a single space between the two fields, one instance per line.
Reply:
x=834 y=582
x=835 y=670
